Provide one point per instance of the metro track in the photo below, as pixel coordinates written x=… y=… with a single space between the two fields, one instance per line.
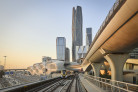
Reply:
x=69 y=84
x=74 y=85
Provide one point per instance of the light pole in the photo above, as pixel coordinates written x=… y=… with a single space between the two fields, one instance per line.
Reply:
x=45 y=68
x=5 y=61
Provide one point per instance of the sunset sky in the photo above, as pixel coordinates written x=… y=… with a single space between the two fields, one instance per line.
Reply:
x=28 y=28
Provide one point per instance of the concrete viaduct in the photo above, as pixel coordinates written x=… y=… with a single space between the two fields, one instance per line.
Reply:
x=117 y=36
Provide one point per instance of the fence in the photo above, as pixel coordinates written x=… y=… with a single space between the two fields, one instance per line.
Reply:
x=111 y=85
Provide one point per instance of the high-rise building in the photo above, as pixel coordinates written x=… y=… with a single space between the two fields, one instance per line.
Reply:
x=67 y=55
x=88 y=36
x=77 y=39
x=61 y=46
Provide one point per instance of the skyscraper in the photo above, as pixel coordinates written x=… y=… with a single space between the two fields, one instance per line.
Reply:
x=67 y=55
x=88 y=36
x=61 y=46
x=77 y=39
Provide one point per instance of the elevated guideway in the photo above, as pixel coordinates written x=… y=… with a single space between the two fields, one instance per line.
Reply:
x=117 y=36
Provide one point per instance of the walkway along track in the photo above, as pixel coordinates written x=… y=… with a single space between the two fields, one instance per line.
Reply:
x=79 y=85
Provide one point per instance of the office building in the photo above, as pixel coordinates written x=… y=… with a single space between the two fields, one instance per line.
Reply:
x=67 y=55
x=60 y=48
x=77 y=39
x=88 y=36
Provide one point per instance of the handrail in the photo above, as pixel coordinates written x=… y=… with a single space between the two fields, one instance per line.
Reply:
x=114 y=85
x=114 y=80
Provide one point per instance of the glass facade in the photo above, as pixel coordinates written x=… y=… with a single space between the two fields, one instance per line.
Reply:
x=61 y=46
x=88 y=36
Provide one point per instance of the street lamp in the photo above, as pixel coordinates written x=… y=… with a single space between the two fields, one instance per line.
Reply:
x=45 y=68
x=5 y=61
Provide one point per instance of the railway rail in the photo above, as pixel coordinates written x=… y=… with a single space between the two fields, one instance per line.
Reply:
x=57 y=85
x=70 y=84
x=73 y=85
x=4 y=83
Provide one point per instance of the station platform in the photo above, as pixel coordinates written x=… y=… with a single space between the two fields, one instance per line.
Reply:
x=90 y=87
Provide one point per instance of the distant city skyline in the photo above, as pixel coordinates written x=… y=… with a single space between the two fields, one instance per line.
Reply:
x=28 y=28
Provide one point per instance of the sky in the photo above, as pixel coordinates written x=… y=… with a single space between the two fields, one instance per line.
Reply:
x=28 y=28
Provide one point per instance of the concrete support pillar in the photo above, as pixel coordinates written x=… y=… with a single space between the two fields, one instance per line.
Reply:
x=137 y=78
x=96 y=68
x=116 y=62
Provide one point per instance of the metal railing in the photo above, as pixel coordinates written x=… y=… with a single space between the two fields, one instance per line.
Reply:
x=111 y=85
x=117 y=5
